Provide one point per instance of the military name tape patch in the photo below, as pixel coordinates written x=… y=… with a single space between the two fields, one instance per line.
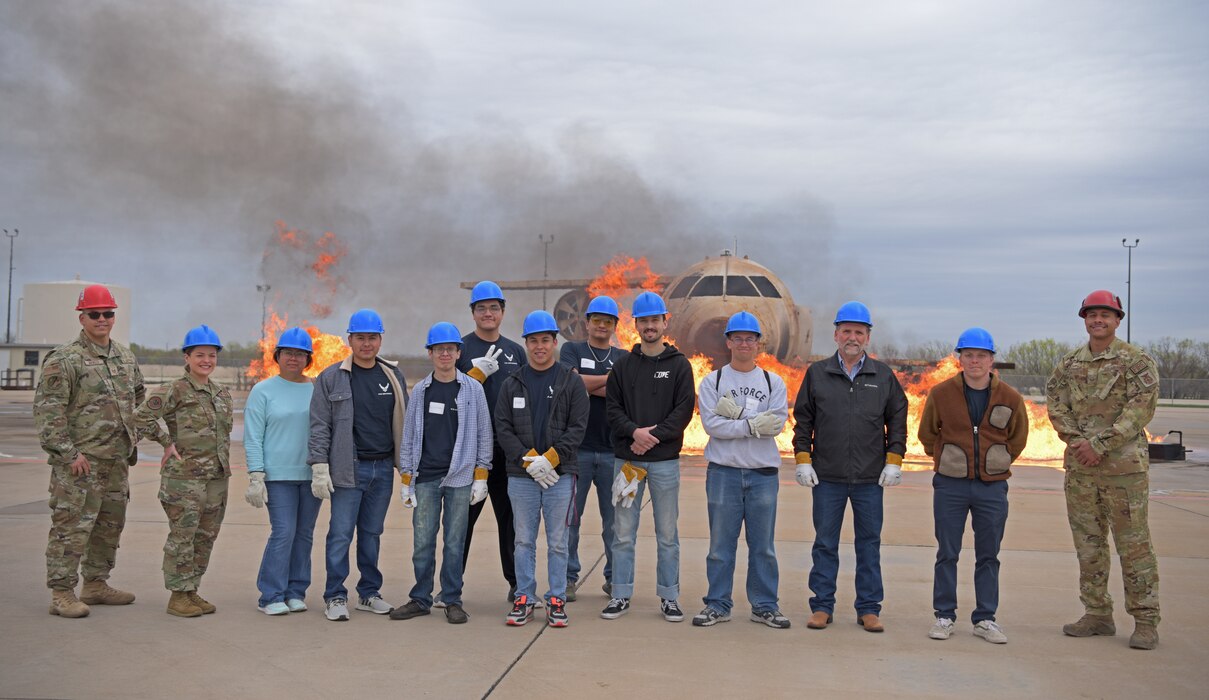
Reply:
x=1138 y=367
x=155 y=403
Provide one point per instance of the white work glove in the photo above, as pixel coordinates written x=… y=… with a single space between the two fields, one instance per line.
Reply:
x=256 y=495
x=321 y=481
x=478 y=489
x=806 y=476
x=727 y=408
x=541 y=470
x=619 y=484
x=486 y=365
x=892 y=475
x=407 y=493
x=625 y=486
x=765 y=424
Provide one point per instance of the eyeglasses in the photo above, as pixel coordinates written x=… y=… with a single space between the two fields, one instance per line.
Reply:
x=485 y=308
x=745 y=341
x=94 y=315
x=444 y=351
x=295 y=354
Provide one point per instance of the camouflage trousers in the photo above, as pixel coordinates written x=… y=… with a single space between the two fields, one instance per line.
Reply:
x=1097 y=505
x=87 y=514
x=195 y=509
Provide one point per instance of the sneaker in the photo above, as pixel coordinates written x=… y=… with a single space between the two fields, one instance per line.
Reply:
x=616 y=608
x=512 y=593
x=772 y=618
x=572 y=586
x=943 y=629
x=455 y=615
x=374 y=604
x=709 y=617
x=671 y=610
x=337 y=610
x=278 y=608
x=296 y=605
x=438 y=603
x=556 y=615
x=990 y=631
x=607 y=588
x=522 y=612
x=408 y=611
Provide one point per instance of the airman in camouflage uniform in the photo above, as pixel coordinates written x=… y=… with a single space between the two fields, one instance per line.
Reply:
x=1100 y=398
x=194 y=476
x=84 y=410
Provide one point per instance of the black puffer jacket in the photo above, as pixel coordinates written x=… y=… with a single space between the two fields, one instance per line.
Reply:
x=565 y=425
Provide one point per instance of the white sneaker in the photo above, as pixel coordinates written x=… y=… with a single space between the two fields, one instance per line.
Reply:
x=990 y=631
x=337 y=610
x=375 y=605
x=943 y=629
x=277 y=608
x=296 y=605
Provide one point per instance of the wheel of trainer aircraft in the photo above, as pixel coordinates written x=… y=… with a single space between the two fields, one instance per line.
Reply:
x=569 y=313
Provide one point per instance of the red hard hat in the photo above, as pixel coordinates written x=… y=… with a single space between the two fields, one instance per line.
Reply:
x=1102 y=299
x=96 y=296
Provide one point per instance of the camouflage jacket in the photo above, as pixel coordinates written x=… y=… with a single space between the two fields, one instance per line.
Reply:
x=199 y=418
x=1106 y=399
x=85 y=402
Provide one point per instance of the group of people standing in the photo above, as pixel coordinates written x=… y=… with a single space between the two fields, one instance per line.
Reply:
x=535 y=427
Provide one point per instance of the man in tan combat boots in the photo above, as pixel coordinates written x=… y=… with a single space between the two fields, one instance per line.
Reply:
x=84 y=410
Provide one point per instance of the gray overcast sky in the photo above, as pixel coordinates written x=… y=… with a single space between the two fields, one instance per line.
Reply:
x=948 y=163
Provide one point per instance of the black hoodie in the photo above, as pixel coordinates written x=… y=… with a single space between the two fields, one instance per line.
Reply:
x=642 y=391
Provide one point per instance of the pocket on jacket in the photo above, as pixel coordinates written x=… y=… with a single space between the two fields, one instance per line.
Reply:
x=342 y=405
x=1000 y=415
x=998 y=460
x=953 y=462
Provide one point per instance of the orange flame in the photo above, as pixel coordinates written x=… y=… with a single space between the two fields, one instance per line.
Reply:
x=327 y=349
x=618 y=279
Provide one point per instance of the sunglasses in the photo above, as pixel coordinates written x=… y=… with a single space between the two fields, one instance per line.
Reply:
x=94 y=315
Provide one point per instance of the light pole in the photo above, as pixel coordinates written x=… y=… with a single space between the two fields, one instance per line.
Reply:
x=1129 y=286
x=264 y=307
x=545 y=241
x=8 y=324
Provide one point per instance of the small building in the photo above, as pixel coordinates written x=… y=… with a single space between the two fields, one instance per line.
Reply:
x=21 y=364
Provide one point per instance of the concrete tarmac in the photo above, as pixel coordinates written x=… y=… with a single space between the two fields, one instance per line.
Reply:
x=138 y=651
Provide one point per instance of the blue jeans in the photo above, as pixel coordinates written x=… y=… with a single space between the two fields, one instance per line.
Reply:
x=741 y=498
x=830 y=500
x=664 y=481
x=987 y=503
x=361 y=509
x=530 y=504
x=285 y=568
x=426 y=519
x=595 y=469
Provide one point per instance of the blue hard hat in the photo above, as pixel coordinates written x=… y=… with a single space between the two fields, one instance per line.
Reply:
x=484 y=291
x=603 y=305
x=202 y=335
x=743 y=322
x=648 y=304
x=976 y=339
x=538 y=322
x=443 y=332
x=853 y=312
x=296 y=338
x=365 y=321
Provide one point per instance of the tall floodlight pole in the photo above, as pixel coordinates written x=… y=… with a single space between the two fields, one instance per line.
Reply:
x=545 y=241
x=8 y=324
x=1129 y=286
x=264 y=308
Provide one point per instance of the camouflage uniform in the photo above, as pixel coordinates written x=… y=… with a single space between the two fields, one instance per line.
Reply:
x=193 y=489
x=1107 y=399
x=85 y=404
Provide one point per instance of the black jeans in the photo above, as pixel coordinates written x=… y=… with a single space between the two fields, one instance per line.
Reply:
x=497 y=489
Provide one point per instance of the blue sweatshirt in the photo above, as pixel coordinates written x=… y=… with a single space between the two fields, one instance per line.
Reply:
x=276 y=424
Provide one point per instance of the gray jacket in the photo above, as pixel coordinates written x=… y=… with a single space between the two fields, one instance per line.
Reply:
x=331 y=438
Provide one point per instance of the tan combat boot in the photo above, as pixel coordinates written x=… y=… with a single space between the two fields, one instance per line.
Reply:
x=100 y=593
x=66 y=604
x=180 y=605
x=206 y=606
x=1091 y=625
x=1145 y=636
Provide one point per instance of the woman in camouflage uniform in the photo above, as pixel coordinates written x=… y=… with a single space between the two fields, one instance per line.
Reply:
x=195 y=468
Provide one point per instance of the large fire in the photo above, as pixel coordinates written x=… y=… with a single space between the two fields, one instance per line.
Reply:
x=328 y=349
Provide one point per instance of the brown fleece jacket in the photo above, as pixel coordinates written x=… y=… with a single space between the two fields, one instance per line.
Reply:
x=949 y=439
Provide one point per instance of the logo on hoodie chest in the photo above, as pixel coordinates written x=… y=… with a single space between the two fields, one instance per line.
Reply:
x=663 y=374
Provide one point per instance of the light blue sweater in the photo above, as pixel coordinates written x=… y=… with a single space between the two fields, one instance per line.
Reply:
x=276 y=423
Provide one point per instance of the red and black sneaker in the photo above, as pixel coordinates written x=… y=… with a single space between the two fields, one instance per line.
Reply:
x=522 y=611
x=556 y=613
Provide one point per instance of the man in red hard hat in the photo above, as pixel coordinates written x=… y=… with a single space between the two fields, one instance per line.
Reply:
x=84 y=410
x=1100 y=398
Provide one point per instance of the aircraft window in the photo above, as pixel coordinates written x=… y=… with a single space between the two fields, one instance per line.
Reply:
x=682 y=288
x=766 y=287
x=739 y=286
x=710 y=286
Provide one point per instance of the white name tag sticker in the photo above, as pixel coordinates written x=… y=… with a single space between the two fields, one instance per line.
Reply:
x=753 y=404
x=436 y=407
x=518 y=402
x=587 y=363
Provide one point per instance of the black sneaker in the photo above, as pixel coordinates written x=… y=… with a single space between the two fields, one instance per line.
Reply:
x=709 y=617
x=406 y=612
x=522 y=612
x=772 y=618
x=671 y=610
x=616 y=608
x=556 y=613
x=455 y=615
